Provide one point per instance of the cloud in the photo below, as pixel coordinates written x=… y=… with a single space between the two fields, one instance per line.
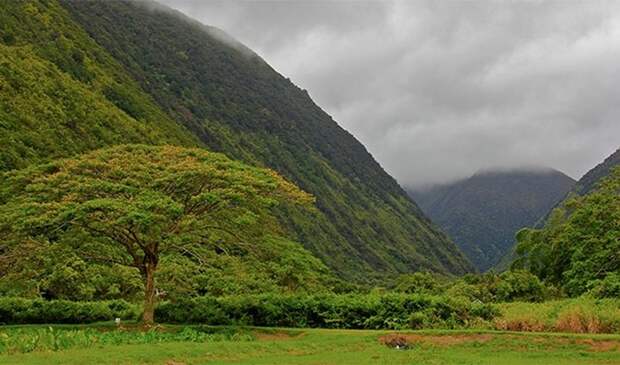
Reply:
x=439 y=90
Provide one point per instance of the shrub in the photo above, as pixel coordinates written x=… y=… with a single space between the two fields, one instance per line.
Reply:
x=418 y=283
x=395 y=311
x=609 y=287
x=519 y=285
x=19 y=310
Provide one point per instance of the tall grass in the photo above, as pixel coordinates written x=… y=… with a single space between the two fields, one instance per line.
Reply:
x=581 y=315
x=31 y=339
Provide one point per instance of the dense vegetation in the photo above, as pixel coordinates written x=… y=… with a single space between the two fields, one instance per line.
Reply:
x=237 y=104
x=578 y=249
x=148 y=209
x=348 y=311
x=483 y=213
x=61 y=94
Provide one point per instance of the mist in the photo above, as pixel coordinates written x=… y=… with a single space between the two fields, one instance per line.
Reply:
x=439 y=90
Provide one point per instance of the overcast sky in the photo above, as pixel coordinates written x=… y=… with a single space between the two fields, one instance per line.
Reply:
x=437 y=90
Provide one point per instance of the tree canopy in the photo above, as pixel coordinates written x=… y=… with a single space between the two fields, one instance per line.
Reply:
x=132 y=205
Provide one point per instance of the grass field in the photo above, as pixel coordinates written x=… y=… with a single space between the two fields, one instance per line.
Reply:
x=319 y=346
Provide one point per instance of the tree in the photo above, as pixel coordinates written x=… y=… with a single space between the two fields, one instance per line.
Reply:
x=130 y=205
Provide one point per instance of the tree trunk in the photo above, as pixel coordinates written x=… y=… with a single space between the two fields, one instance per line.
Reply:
x=148 y=316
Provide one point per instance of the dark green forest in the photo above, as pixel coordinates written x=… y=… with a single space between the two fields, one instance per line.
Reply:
x=483 y=213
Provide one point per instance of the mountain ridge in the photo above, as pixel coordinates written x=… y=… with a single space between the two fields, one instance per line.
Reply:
x=589 y=180
x=483 y=212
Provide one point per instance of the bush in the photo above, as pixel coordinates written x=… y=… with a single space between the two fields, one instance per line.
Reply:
x=609 y=287
x=358 y=311
x=418 y=283
x=519 y=285
x=19 y=310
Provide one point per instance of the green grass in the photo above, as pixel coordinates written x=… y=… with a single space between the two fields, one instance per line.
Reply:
x=320 y=346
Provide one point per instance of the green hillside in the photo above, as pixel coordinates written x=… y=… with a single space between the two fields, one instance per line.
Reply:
x=483 y=213
x=577 y=249
x=236 y=103
x=585 y=185
x=61 y=94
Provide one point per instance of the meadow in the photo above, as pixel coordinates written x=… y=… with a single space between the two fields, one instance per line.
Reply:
x=176 y=345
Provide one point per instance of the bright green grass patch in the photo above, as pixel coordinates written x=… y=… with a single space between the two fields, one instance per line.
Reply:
x=319 y=346
x=26 y=339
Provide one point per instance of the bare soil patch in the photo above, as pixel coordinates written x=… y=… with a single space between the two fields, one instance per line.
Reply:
x=601 y=345
x=173 y=362
x=401 y=340
x=276 y=336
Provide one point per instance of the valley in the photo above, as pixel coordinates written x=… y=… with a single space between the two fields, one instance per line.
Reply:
x=168 y=197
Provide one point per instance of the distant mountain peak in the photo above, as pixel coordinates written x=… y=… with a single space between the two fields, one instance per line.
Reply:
x=483 y=212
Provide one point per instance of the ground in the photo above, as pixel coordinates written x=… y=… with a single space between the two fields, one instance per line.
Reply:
x=322 y=347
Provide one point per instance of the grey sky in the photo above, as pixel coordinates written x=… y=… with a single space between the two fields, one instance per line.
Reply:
x=439 y=89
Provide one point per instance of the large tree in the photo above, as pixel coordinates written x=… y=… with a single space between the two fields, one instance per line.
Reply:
x=130 y=205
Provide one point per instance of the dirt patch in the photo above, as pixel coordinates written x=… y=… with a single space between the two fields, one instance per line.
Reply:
x=601 y=345
x=399 y=340
x=520 y=325
x=276 y=336
x=173 y=362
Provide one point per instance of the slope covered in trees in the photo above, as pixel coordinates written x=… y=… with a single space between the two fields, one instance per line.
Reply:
x=483 y=213
x=61 y=94
x=578 y=249
x=237 y=104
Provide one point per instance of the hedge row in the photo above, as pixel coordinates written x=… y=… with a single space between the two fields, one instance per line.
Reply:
x=21 y=311
x=396 y=311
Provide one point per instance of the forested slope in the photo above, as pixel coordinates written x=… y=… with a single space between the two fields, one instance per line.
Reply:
x=236 y=103
x=61 y=94
x=483 y=213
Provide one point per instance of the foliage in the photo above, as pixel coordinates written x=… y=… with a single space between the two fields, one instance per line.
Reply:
x=509 y=286
x=418 y=283
x=580 y=243
x=61 y=94
x=133 y=205
x=328 y=311
x=20 y=310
